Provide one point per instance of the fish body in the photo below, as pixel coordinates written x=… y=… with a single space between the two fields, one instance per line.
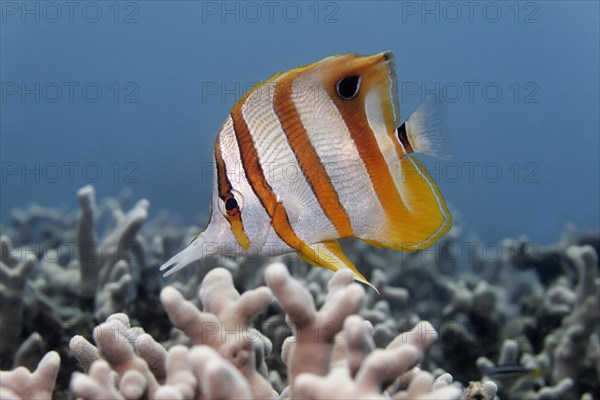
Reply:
x=316 y=154
x=512 y=372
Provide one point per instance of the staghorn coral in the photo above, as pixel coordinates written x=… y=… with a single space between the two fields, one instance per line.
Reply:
x=105 y=274
x=508 y=299
x=357 y=372
x=573 y=348
x=127 y=363
x=364 y=372
x=129 y=352
x=224 y=324
x=22 y=384
x=13 y=276
x=309 y=350
x=378 y=307
x=71 y=277
x=550 y=261
x=90 y=268
x=43 y=226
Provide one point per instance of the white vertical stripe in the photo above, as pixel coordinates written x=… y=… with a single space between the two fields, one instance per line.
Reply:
x=332 y=141
x=384 y=142
x=282 y=171
x=257 y=222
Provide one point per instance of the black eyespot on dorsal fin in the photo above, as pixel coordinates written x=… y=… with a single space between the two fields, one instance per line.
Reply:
x=401 y=133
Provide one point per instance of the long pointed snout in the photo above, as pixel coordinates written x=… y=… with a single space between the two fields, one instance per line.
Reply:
x=216 y=240
x=197 y=250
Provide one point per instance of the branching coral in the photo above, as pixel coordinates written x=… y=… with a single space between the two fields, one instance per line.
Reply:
x=128 y=364
x=573 y=349
x=319 y=369
x=22 y=384
x=227 y=354
x=223 y=336
x=142 y=367
x=128 y=351
x=309 y=350
x=365 y=372
x=105 y=274
x=224 y=324
x=13 y=276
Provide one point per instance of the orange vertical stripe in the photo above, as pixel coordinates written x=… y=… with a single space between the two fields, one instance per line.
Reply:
x=224 y=190
x=368 y=149
x=307 y=157
x=258 y=182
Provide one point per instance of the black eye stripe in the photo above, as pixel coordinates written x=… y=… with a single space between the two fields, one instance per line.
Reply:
x=348 y=86
x=231 y=204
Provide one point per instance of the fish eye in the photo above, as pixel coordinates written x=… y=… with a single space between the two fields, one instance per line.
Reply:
x=348 y=86
x=232 y=203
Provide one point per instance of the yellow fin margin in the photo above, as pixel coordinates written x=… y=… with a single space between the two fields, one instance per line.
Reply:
x=330 y=255
x=424 y=216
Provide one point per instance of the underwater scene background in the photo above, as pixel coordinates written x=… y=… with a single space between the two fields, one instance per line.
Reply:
x=109 y=112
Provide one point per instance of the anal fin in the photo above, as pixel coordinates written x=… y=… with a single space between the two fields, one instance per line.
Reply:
x=330 y=255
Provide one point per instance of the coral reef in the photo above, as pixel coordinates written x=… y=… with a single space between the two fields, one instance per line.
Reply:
x=22 y=384
x=84 y=306
x=13 y=276
x=127 y=363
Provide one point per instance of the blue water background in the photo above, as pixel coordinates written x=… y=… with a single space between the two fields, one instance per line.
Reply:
x=158 y=65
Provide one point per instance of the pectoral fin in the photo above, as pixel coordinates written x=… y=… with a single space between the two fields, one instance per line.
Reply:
x=330 y=255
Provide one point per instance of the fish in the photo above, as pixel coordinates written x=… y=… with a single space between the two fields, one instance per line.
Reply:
x=512 y=372
x=317 y=154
